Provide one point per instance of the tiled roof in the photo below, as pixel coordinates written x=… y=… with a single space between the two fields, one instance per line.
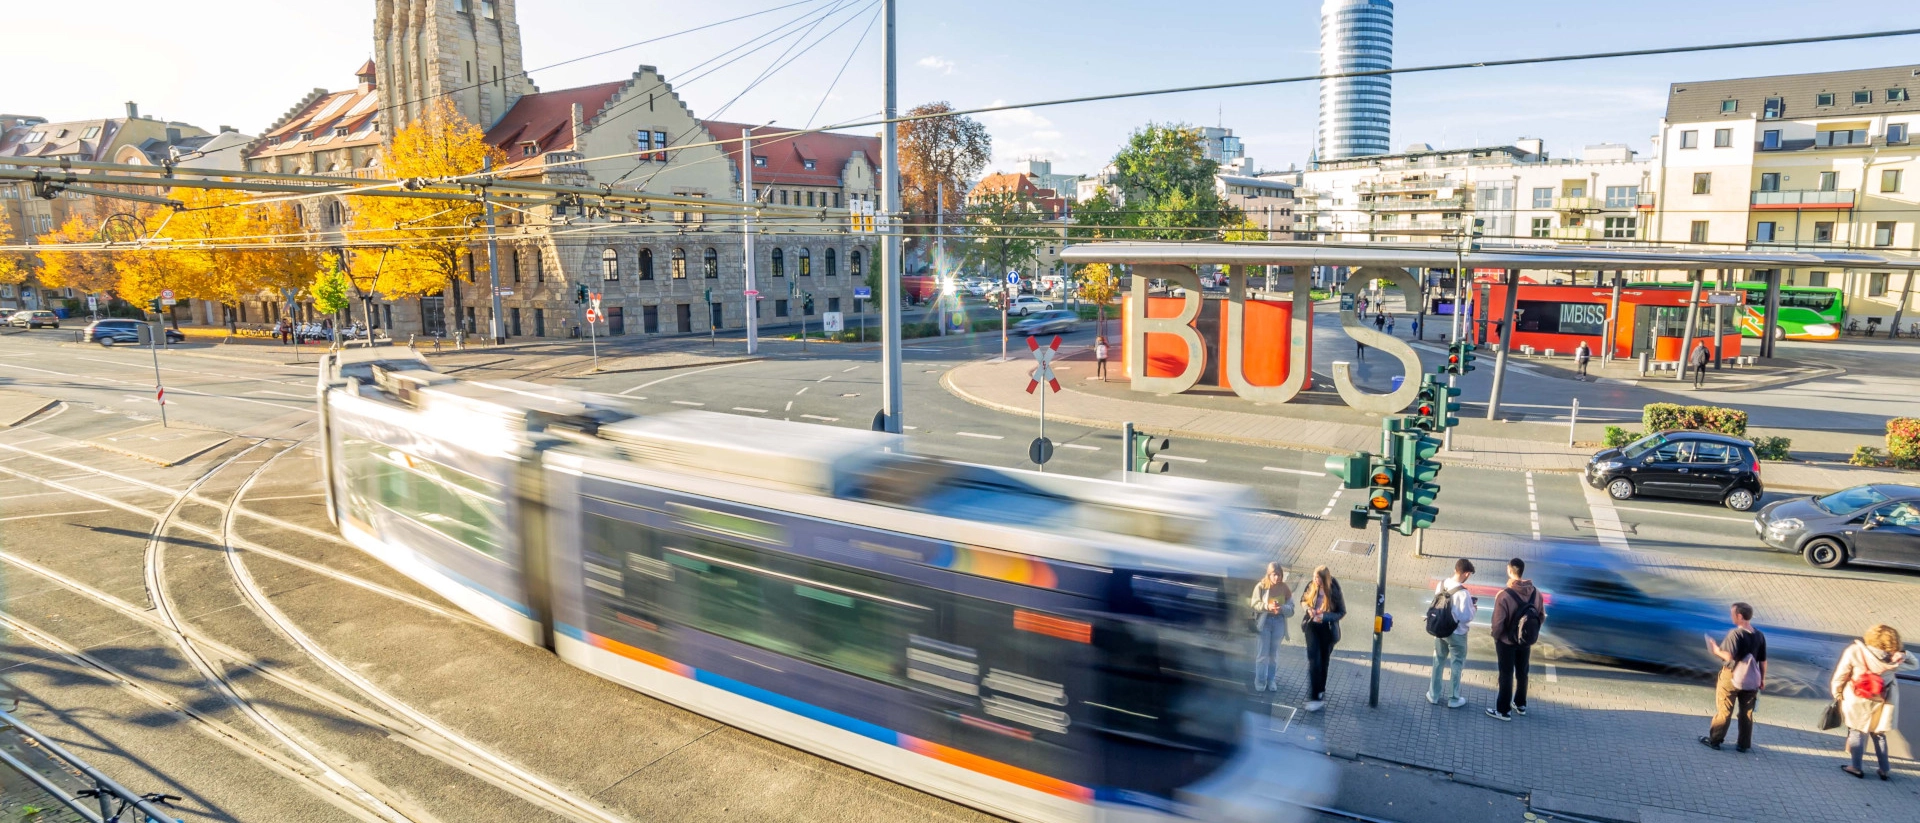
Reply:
x=787 y=156
x=356 y=109
x=546 y=118
x=19 y=142
x=1048 y=200
x=1799 y=95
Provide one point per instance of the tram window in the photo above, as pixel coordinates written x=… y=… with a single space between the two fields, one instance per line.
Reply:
x=451 y=502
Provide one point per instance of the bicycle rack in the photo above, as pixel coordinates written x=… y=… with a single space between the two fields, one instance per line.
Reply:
x=105 y=791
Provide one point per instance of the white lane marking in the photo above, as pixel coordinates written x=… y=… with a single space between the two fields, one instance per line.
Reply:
x=1293 y=471
x=1746 y=520
x=1533 y=508
x=981 y=436
x=279 y=393
x=1181 y=459
x=789 y=405
x=1607 y=528
x=30 y=494
x=824 y=379
x=848 y=369
x=803 y=390
x=286 y=496
x=1332 y=501
x=745 y=409
x=1080 y=447
x=1553 y=675
x=912 y=428
x=684 y=374
x=52 y=514
x=688 y=403
x=823 y=419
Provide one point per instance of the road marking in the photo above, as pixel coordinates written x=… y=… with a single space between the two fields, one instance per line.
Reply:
x=1080 y=447
x=1331 y=501
x=823 y=419
x=824 y=379
x=53 y=514
x=912 y=428
x=789 y=405
x=1181 y=459
x=684 y=374
x=803 y=390
x=848 y=369
x=1606 y=520
x=279 y=393
x=1533 y=508
x=1746 y=520
x=688 y=403
x=1553 y=675
x=285 y=496
x=981 y=436
x=745 y=409
x=30 y=494
x=1293 y=471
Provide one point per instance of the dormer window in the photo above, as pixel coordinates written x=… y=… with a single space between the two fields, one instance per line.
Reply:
x=273 y=141
x=529 y=149
x=61 y=135
x=759 y=162
x=94 y=131
x=306 y=135
x=808 y=164
x=339 y=131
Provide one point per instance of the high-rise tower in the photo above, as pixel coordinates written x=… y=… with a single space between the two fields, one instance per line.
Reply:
x=1356 y=113
x=467 y=50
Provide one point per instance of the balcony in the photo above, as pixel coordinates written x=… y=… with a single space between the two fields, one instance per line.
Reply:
x=1580 y=205
x=1646 y=201
x=1457 y=203
x=1803 y=199
x=1412 y=226
x=564 y=162
x=1574 y=233
x=1420 y=183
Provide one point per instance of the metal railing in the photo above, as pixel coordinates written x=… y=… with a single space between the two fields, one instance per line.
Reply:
x=103 y=801
x=1421 y=183
x=1455 y=203
x=1578 y=204
x=1804 y=197
x=1574 y=232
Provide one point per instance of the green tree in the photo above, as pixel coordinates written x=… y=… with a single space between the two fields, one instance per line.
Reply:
x=938 y=154
x=329 y=287
x=1164 y=190
x=1004 y=231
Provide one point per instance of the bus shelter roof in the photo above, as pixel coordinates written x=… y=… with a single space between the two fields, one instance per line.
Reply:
x=1557 y=258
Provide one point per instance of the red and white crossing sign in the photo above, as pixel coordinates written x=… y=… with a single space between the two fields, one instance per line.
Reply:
x=1043 y=356
x=160 y=394
x=594 y=300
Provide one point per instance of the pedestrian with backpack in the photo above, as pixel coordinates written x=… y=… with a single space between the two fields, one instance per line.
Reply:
x=1864 y=685
x=1323 y=607
x=1272 y=604
x=1743 y=673
x=1447 y=620
x=1517 y=614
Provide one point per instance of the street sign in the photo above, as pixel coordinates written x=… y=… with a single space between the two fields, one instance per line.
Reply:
x=1043 y=372
x=833 y=322
x=593 y=315
x=594 y=301
x=503 y=292
x=1723 y=298
x=166 y=297
x=1013 y=278
x=863 y=292
x=93 y=302
x=1040 y=450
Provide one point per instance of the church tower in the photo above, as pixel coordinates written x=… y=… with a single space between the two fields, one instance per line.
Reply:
x=466 y=50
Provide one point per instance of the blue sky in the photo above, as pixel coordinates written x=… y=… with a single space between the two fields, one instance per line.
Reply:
x=251 y=61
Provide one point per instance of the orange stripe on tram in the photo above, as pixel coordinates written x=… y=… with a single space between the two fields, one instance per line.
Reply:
x=999 y=770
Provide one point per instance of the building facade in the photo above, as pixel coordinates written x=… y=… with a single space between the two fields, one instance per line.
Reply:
x=1356 y=113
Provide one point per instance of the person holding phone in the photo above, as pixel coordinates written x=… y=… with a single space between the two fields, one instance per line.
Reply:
x=1320 y=625
x=1272 y=604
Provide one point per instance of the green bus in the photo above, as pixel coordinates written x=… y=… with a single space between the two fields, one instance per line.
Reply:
x=1806 y=312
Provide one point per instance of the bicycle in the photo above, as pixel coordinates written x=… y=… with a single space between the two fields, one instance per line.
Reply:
x=156 y=798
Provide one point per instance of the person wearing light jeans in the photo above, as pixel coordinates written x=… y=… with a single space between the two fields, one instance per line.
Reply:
x=1453 y=648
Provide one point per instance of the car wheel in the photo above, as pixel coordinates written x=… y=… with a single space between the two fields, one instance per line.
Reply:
x=1740 y=500
x=1825 y=553
x=106 y=341
x=1620 y=488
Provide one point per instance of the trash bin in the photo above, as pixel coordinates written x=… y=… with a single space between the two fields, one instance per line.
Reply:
x=1905 y=737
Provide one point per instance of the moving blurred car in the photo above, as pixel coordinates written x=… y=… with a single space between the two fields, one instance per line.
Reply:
x=1048 y=322
x=34 y=319
x=1022 y=306
x=1600 y=607
x=1873 y=525
x=1690 y=464
x=111 y=332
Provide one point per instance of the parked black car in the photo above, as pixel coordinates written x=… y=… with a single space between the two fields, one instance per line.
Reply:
x=112 y=332
x=1873 y=525
x=1697 y=465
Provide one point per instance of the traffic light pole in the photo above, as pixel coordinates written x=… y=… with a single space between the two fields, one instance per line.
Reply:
x=1387 y=445
x=746 y=239
x=496 y=327
x=892 y=392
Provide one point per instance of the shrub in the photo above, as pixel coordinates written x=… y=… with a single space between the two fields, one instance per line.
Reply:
x=1659 y=417
x=1867 y=456
x=1617 y=437
x=1903 y=441
x=1773 y=448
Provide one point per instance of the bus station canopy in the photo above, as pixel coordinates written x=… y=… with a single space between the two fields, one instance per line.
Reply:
x=1556 y=258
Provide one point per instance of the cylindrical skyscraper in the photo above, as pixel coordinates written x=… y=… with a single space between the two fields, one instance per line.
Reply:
x=1356 y=113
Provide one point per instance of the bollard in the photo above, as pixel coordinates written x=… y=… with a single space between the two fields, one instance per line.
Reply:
x=1573 y=420
x=1643 y=364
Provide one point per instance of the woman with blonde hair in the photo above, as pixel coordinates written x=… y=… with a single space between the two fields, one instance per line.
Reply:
x=1321 y=608
x=1272 y=604
x=1864 y=685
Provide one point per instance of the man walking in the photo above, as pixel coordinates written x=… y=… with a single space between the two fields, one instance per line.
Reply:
x=1743 y=671
x=1580 y=357
x=1100 y=358
x=1697 y=361
x=1447 y=619
x=1517 y=615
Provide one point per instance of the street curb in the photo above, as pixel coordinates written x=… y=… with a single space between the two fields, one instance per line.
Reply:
x=1555 y=371
x=720 y=362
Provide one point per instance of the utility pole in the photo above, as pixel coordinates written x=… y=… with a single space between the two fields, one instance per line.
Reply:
x=890 y=242
x=939 y=256
x=1460 y=281
x=746 y=238
x=1686 y=334
x=1506 y=328
x=495 y=328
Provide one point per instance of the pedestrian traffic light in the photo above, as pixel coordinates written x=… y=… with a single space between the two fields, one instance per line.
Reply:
x=1350 y=468
x=1460 y=356
x=1418 y=475
x=1436 y=406
x=1144 y=448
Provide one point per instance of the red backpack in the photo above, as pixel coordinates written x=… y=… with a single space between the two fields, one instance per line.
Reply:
x=1869 y=686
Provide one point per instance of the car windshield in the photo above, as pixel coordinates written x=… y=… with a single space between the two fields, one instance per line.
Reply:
x=1642 y=446
x=1848 y=501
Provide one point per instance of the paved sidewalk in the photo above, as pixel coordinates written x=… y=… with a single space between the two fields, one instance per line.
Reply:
x=1311 y=427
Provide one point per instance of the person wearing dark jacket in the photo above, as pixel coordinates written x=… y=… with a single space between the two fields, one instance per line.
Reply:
x=1321 y=608
x=1517 y=614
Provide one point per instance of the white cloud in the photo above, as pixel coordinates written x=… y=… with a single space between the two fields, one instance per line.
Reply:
x=1015 y=118
x=936 y=63
x=1047 y=134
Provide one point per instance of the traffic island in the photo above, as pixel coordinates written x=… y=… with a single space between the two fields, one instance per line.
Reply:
x=1763 y=374
x=164 y=445
x=18 y=407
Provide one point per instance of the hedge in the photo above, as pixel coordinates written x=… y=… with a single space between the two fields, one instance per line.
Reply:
x=1660 y=417
x=1616 y=437
x=1903 y=442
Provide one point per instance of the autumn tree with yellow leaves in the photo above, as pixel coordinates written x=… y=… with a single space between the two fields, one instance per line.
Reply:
x=14 y=265
x=424 y=239
x=223 y=247
x=89 y=272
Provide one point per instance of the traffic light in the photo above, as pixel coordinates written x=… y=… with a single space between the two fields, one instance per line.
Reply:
x=1144 y=448
x=1383 y=486
x=154 y=305
x=1418 y=474
x=1436 y=406
x=1350 y=468
x=580 y=294
x=1461 y=356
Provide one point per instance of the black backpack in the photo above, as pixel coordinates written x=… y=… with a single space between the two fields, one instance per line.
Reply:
x=1440 y=620
x=1526 y=623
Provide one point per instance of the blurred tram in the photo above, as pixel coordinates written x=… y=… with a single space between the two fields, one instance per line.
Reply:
x=1041 y=647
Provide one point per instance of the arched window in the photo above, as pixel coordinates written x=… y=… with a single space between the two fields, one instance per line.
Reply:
x=806 y=263
x=832 y=263
x=779 y=264
x=679 y=264
x=710 y=266
x=610 y=264
x=853 y=263
x=646 y=264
